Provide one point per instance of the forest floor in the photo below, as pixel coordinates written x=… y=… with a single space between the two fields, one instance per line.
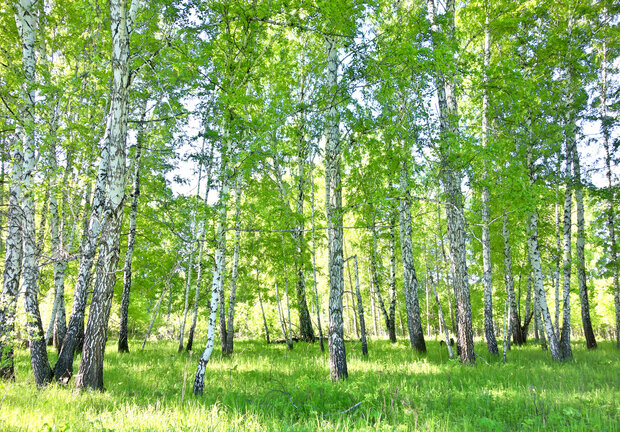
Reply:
x=266 y=387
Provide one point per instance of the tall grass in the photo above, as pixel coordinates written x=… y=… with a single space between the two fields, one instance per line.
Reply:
x=267 y=387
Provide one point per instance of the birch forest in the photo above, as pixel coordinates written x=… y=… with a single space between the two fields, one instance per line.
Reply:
x=309 y=215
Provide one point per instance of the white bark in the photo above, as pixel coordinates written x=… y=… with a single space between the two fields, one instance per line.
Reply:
x=333 y=210
x=95 y=336
x=218 y=275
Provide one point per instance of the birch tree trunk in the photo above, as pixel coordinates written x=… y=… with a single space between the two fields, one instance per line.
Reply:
x=13 y=258
x=201 y=230
x=333 y=210
x=63 y=370
x=442 y=321
x=230 y=325
x=316 y=290
x=262 y=309
x=565 y=345
x=123 y=344
x=581 y=255
x=451 y=180
x=534 y=257
x=558 y=238
x=218 y=274
x=375 y=280
x=392 y=330
x=188 y=282
x=412 y=303
x=515 y=323
x=489 y=331
x=26 y=25
x=90 y=373
x=360 y=309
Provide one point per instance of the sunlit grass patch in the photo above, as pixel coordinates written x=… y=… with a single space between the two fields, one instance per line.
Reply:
x=268 y=387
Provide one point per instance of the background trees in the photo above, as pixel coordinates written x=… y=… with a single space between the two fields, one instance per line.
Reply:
x=265 y=144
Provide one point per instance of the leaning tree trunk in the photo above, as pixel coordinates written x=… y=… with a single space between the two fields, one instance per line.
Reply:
x=489 y=331
x=333 y=210
x=606 y=122
x=63 y=370
x=90 y=373
x=451 y=179
x=412 y=303
x=392 y=329
x=218 y=274
x=581 y=256
x=534 y=258
x=123 y=344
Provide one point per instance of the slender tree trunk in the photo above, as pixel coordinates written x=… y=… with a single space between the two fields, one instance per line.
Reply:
x=557 y=263
x=515 y=324
x=534 y=257
x=581 y=257
x=262 y=309
x=412 y=303
x=188 y=282
x=528 y=309
x=442 y=321
x=333 y=210
x=565 y=344
x=190 y=338
x=157 y=306
x=123 y=344
x=360 y=309
x=192 y=330
x=95 y=336
x=392 y=329
x=316 y=290
x=230 y=325
x=218 y=275
x=63 y=370
x=451 y=180
x=489 y=331
x=375 y=279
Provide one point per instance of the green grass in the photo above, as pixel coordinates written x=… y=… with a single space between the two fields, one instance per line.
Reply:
x=269 y=388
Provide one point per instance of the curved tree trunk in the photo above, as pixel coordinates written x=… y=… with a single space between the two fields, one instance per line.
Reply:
x=91 y=367
x=218 y=274
x=360 y=309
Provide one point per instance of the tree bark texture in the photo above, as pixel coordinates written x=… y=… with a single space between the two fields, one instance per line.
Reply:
x=123 y=344
x=412 y=303
x=333 y=210
x=90 y=374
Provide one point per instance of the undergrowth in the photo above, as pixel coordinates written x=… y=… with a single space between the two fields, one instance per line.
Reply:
x=267 y=387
